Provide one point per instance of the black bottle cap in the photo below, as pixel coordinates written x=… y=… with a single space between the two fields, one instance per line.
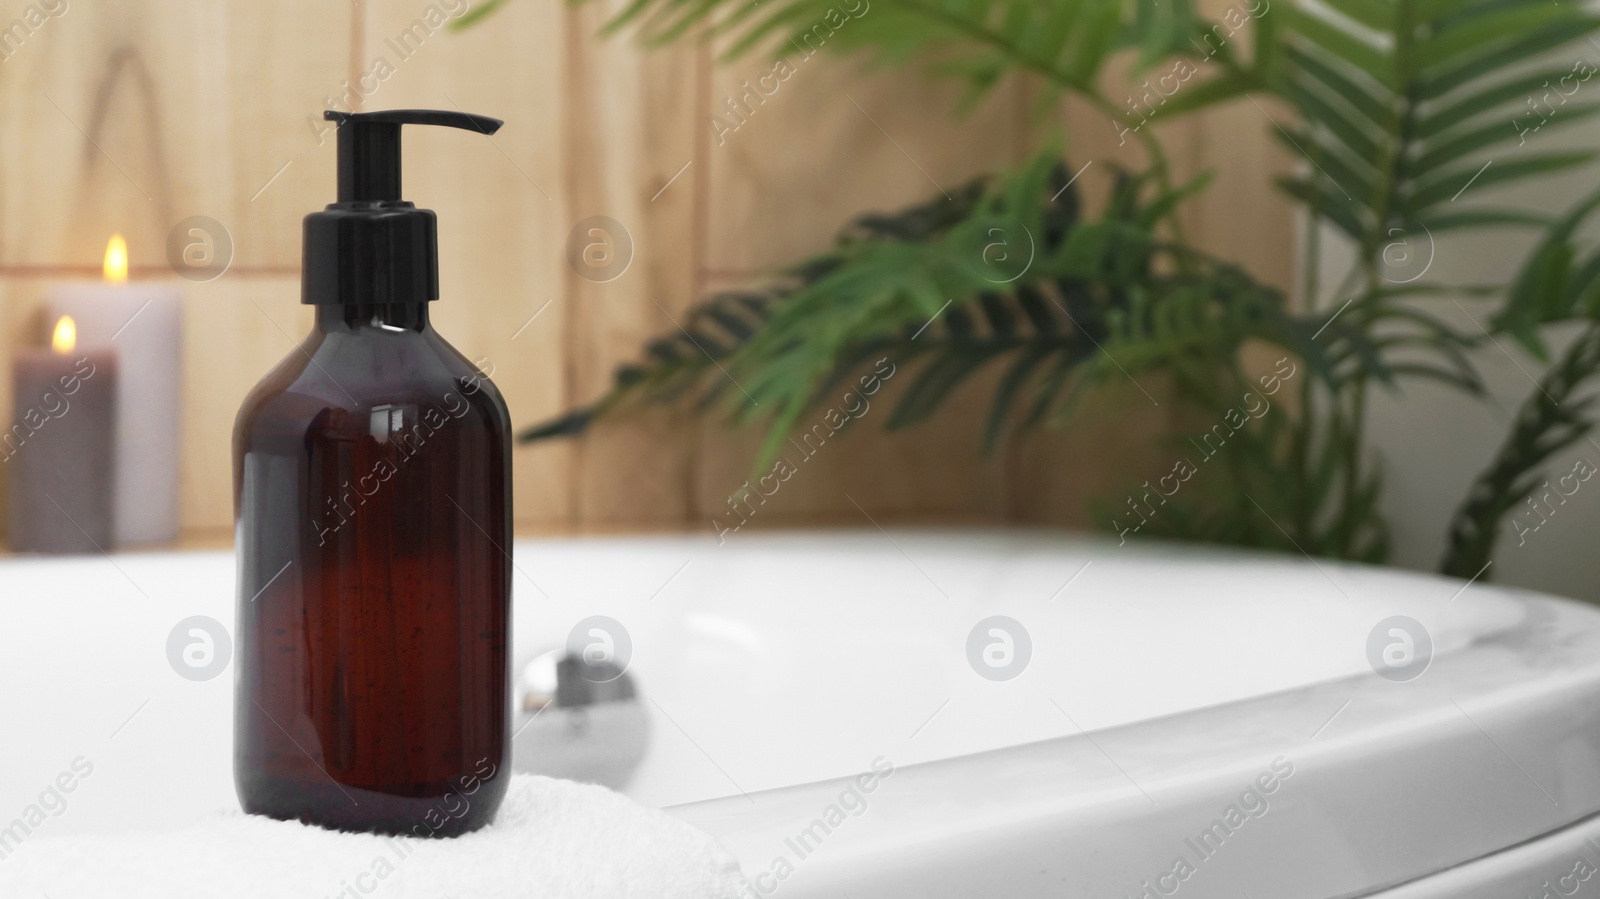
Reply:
x=371 y=246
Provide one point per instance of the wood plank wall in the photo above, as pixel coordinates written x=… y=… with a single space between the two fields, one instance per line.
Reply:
x=132 y=116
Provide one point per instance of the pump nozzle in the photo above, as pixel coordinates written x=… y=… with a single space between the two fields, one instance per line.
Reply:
x=371 y=246
x=369 y=147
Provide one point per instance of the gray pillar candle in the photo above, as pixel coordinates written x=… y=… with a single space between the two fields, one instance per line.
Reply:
x=59 y=448
x=141 y=322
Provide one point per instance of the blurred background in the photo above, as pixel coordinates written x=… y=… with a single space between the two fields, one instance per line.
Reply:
x=130 y=118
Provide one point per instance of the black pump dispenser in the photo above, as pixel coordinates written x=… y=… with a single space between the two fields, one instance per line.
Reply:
x=371 y=246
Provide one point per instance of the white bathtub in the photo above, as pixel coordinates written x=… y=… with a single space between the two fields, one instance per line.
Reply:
x=1163 y=686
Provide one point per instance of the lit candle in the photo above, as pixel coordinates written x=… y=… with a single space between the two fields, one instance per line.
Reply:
x=142 y=324
x=59 y=447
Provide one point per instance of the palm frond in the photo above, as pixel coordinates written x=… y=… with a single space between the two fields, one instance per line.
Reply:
x=1068 y=304
x=1556 y=283
x=1405 y=105
x=1403 y=110
x=1552 y=418
x=1067 y=43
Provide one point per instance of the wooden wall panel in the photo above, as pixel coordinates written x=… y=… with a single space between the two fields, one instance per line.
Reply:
x=791 y=162
x=235 y=331
x=501 y=203
x=835 y=140
x=1115 y=440
x=132 y=116
x=935 y=471
x=635 y=156
x=129 y=117
x=1243 y=216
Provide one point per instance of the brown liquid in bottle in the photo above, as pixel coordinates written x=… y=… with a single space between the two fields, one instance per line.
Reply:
x=373 y=524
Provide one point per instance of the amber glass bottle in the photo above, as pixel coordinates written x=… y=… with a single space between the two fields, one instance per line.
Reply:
x=371 y=484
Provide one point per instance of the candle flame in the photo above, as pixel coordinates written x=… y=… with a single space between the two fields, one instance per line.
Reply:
x=65 y=338
x=116 y=264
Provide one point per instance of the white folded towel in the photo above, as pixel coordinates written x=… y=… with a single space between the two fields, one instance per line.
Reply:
x=552 y=839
